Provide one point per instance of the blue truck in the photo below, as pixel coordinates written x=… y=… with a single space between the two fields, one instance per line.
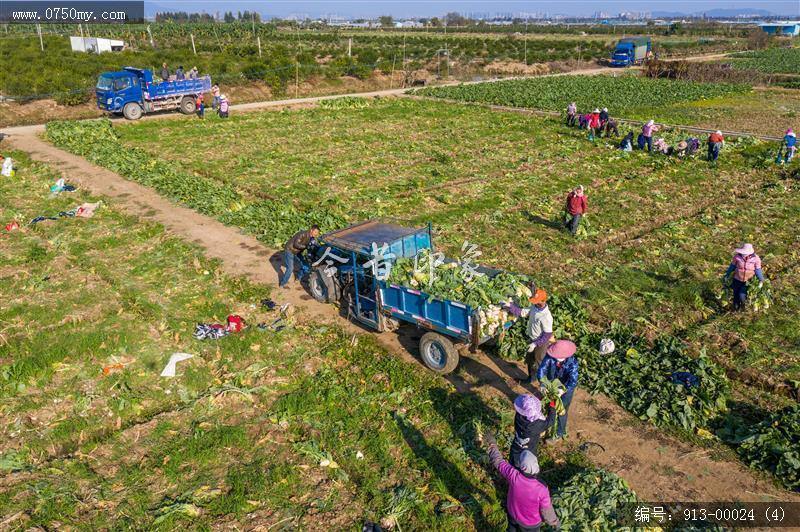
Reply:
x=383 y=306
x=132 y=92
x=631 y=51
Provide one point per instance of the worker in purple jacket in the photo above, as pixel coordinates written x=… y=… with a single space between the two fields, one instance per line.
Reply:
x=529 y=425
x=562 y=365
x=528 y=503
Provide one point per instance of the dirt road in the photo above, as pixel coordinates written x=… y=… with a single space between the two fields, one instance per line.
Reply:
x=657 y=466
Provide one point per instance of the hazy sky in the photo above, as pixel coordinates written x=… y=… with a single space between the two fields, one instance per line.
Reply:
x=427 y=8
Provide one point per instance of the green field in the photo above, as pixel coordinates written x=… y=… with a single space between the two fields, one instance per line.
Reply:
x=497 y=181
x=628 y=96
x=771 y=60
x=92 y=437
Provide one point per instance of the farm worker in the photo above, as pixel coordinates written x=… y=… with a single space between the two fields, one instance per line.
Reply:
x=293 y=249
x=529 y=424
x=572 y=110
x=201 y=106
x=603 y=117
x=540 y=332
x=647 y=133
x=681 y=147
x=612 y=125
x=715 y=142
x=164 y=72
x=562 y=365
x=223 y=106
x=576 y=207
x=789 y=146
x=627 y=142
x=215 y=94
x=193 y=73
x=594 y=124
x=528 y=501
x=583 y=120
x=744 y=266
x=179 y=74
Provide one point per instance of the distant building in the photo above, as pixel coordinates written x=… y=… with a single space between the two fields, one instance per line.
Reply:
x=408 y=24
x=95 y=45
x=786 y=29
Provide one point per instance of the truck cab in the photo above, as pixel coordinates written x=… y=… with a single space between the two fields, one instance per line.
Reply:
x=115 y=89
x=132 y=92
x=630 y=51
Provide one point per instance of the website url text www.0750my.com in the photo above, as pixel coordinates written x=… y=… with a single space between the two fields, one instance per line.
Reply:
x=67 y=14
x=87 y=12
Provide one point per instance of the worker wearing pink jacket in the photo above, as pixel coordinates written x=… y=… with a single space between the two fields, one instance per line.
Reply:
x=528 y=502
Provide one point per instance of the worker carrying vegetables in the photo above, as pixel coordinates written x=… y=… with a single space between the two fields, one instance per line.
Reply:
x=528 y=501
x=576 y=207
x=744 y=266
x=560 y=363
x=294 y=249
x=529 y=425
x=540 y=332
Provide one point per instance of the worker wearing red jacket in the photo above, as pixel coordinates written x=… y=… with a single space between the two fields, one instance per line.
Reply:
x=576 y=207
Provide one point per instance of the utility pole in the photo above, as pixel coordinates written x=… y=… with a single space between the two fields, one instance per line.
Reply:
x=150 y=33
x=195 y=49
x=253 y=21
x=258 y=40
x=296 y=78
x=350 y=47
x=447 y=59
x=41 y=42
x=526 y=41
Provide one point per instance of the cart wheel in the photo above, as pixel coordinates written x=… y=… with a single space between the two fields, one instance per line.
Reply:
x=188 y=105
x=438 y=353
x=322 y=287
x=132 y=111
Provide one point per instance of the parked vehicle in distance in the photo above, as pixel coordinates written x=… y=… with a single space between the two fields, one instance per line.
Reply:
x=132 y=93
x=631 y=51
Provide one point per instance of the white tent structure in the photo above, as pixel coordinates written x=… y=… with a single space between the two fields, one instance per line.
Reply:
x=95 y=45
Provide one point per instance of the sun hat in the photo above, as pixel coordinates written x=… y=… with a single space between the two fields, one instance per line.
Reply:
x=596 y=110
x=651 y=122
x=607 y=346
x=540 y=296
x=528 y=463
x=562 y=349
x=790 y=131
x=719 y=132
x=529 y=407
x=745 y=249
x=682 y=145
x=605 y=109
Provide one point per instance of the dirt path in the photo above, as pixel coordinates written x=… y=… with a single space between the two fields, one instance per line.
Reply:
x=657 y=466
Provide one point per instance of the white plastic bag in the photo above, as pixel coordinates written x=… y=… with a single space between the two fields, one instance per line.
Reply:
x=8 y=167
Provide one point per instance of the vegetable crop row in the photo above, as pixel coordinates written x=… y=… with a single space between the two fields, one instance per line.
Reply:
x=771 y=60
x=624 y=94
x=270 y=221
